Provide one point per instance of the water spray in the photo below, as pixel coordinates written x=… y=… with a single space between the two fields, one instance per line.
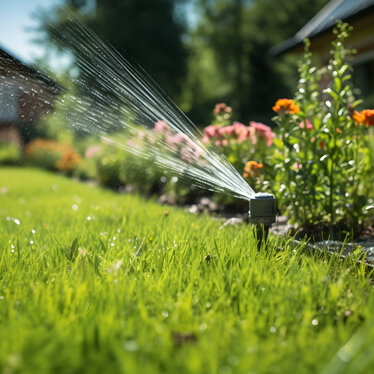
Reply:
x=262 y=210
x=125 y=101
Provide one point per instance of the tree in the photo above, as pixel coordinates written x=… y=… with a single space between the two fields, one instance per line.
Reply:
x=240 y=34
x=147 y=31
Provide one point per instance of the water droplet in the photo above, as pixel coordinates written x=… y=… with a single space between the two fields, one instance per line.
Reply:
x=15 y=220
x=131 y=345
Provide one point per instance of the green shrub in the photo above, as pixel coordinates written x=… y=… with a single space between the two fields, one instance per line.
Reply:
x=86 y=169
x=10 y=154
x=142 y=174
x=51 y=155
x=109 y=167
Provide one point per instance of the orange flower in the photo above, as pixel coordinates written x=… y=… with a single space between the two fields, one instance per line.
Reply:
x=252 y=168
x=286 y=106
x=369 y=117
x=365 y=117
x=358 y=117
x=68 y=161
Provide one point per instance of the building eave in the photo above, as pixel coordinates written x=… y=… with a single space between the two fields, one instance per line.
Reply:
x=8 y=59
x=311 y=31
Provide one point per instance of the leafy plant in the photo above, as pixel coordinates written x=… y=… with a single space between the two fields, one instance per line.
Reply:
x=9 y=153
x=242 y=144
x=322 y=152
x=109 y=167
x=51 y=155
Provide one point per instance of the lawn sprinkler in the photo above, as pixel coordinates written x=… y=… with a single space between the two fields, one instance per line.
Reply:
x=262 y=214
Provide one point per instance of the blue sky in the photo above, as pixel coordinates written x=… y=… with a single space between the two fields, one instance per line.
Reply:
x=15 y=18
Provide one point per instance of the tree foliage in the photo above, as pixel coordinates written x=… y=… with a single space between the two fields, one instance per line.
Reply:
x=240 y=34
x=146 y=31
x=222 y=56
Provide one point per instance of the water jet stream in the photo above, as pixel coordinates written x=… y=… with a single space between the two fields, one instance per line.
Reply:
x=126 y=108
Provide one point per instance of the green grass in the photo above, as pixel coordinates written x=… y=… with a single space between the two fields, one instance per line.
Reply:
x=118 y=286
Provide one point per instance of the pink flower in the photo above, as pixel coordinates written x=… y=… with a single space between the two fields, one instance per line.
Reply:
x=210 y=131
x=161 y=126
x=309 y=126
x=225 y=131
x=178 y=138
x=297 y=166
x=263 y=131
x=242 y=132
x=222 y=108
x=190 y=155
x=175 y=141
x=92 y=151
x=260 y=128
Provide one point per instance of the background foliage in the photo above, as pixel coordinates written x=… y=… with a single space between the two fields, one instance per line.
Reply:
x=201 y=51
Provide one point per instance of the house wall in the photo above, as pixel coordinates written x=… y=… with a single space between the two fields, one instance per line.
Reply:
x=362 y=40
x=22 y=102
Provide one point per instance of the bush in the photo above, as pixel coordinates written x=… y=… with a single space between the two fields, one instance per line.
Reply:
x=322 y=158
x=246 y=147
x=51 y=155
x=10 y=154
x=116 y=168
x=109 y=167
x=142 y=174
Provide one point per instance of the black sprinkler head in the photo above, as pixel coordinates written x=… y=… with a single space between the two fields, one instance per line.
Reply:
x=262 y=209
x=262 y=212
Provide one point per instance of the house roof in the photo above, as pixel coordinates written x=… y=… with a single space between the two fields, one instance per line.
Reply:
x=6 y=60
x=325 y=20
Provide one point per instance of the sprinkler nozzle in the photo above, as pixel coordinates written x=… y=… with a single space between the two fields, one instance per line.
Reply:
x=262 y=209
x=262 y=214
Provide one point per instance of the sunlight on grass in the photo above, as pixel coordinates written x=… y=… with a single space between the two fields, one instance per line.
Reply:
x=99 y=282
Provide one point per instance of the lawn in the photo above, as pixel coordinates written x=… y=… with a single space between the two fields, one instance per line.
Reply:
x=93 y=281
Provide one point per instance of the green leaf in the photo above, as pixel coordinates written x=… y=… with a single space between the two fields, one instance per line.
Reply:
x=330 y=92
x=278 y=143
x=338 y=84
x=343 y=69
x=357 y=102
